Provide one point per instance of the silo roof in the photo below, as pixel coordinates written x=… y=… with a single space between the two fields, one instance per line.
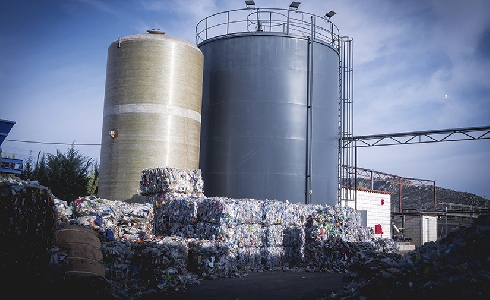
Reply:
x=154 y=34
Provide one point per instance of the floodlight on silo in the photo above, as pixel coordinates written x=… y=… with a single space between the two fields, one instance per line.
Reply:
x=249 y=3
x=330 y=14
x=294 y=5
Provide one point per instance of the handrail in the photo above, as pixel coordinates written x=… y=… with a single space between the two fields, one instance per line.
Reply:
x=274 y=20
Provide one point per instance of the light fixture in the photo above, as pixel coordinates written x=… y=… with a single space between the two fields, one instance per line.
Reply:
x=294 y=5
x=330 y=14
x=249 y=3
x=113 y=133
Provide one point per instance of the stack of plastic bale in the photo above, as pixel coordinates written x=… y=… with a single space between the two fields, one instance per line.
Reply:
x=252 y=231
x=295 y=216
x=240 y=223
x=211 y=259
x=171 y=183
x=330 y=235
x=274 y=253
x=222 y=232
x=180 y=211
x=238 y=235
x=175 y=218
x=171 y=191
x=115 y=219
x=136 y=269
x=27 y=228
x=233 y=225
x=255 y=231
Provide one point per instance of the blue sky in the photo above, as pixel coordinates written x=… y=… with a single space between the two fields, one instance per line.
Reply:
x=407 y=56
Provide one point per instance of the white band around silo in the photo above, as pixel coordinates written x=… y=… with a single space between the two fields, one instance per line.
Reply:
x=153 y=108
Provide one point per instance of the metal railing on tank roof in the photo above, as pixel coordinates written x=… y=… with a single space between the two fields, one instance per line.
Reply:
x=273 y=20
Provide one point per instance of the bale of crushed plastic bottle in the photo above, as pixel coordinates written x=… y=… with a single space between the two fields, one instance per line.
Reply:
x=83 y=249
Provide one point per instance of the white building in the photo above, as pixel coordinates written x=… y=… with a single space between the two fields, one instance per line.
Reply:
x=375 y=207
x=420 y=227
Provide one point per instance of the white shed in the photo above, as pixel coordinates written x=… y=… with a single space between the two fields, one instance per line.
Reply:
x=420 y=227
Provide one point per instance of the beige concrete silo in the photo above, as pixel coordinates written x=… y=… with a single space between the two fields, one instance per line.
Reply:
x=152 y=111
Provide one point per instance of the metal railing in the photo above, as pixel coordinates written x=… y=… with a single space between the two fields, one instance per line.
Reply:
x=420 y=137
x=274 y=20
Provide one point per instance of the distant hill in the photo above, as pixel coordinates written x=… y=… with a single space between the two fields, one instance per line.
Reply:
x=421 y=197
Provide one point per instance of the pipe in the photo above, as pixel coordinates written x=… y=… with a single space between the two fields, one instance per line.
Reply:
x=372 y=180
x=400 y=195
x=309 y=75
x=435 y=197
x=355 y=176
x=287 y=27
x=445 y=231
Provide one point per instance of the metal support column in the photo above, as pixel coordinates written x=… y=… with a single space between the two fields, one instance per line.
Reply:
x=400 y=195
x=435 y=196
x=309 y=134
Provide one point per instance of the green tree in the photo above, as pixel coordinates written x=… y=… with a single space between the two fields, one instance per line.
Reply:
x=67 y=174
x=28 y=168
x=39 y=172
x=93 y=180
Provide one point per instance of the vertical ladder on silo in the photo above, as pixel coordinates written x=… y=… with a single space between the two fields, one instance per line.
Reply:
x=346 y=156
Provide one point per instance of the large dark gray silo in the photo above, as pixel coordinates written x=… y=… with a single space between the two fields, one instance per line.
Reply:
x=270 y=111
